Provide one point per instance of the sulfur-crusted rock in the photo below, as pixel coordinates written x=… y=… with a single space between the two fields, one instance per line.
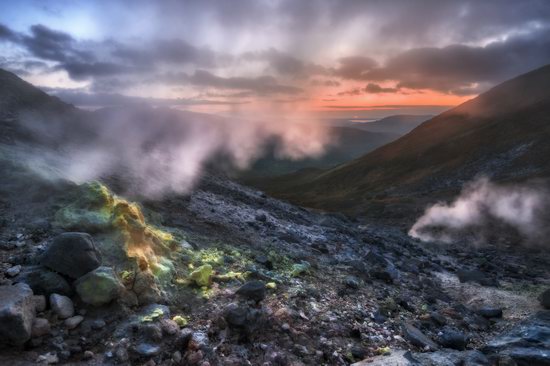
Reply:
x=201 y=276
x=91 y=212
x=99 y=286
x=72 y=254
x=16 y=313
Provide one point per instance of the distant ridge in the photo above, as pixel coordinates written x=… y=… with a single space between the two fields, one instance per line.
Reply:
x=398 y=124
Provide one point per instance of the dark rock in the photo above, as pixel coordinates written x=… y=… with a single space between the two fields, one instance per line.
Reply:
x=72 y=254
x=264 y=260
x=545 y=299
x=242 y=317
x=417 y=338
x=477 y=277
x=152 y=332
x=352 y=282
x=40 y=327
x=438 y=318
x=261 y=217
x=381 y=268
x=489 y=312
x=39 y=303
x=169 y=327
x=43 y=281
x=147 y=350
x=526 y=344
x=254 y=290
x=184 y=337
x=322 y=247
x=358 y=352
x=450 y=338
x=16 y=313
x=379 y=318
x=449 y=358
x=388 y=274
x=98 y=324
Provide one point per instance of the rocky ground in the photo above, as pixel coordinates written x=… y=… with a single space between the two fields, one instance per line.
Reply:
x=229 y=276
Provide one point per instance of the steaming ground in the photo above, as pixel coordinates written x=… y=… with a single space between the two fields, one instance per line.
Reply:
x=160 y=151
x=483 y=207
x=237 y=277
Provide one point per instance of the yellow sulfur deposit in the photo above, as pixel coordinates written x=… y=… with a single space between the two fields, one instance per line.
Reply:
x=98 y=210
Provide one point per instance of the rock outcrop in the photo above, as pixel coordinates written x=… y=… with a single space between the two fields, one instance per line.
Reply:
x=16 y=313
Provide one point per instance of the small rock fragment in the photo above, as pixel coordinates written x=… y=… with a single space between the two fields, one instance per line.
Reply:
x=40 y=327
x=73 y=321
x=62 y=306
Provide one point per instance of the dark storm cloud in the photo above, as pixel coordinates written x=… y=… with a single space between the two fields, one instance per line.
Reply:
x=456 y=68
x=6 y=33
x=457 y=47
x=354 y=67
x=174 y=51
x=371 y=88
x=52 y=45
x=85 y=70
x=285 y=64
x=259 y=85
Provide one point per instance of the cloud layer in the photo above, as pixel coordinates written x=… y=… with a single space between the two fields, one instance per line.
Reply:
x=267 y=49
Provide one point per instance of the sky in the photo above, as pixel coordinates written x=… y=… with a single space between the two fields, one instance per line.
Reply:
x=332 y=58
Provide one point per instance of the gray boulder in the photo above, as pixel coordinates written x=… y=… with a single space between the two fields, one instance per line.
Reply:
x=62 y=306
x=72 y=254
x=99 y=287
x=417 y=338
x=16 y=313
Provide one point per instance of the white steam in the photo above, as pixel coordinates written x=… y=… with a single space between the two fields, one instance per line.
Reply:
x=484 y=206
x=158 y=151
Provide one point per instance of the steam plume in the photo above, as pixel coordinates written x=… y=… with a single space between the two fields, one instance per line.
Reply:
x=481 y=205
x=158 y=151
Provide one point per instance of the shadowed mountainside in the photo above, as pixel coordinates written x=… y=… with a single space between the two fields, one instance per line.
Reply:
x=503 y=132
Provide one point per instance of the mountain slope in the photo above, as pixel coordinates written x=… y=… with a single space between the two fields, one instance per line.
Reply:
x=503 y=133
